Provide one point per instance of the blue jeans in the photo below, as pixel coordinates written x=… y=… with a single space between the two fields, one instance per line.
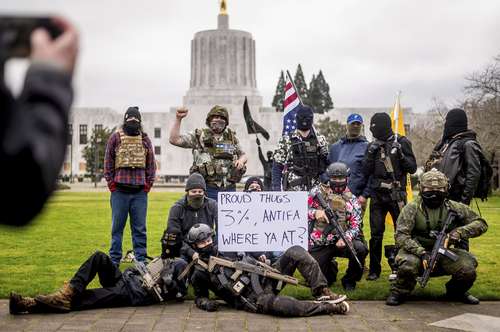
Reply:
x=122 y=205
x=213 y=191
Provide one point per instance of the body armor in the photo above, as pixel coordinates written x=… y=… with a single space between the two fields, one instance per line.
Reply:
x=213 y=158
x=305 y=157
x=131 y=152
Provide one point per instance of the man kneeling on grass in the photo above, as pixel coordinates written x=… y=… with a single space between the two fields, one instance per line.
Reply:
x=252 y=286
x=118 y=289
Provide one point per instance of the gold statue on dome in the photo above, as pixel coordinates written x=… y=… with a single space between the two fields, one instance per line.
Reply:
x=223 y=7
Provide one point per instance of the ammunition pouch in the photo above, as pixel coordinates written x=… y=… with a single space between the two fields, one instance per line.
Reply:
x=235 y=175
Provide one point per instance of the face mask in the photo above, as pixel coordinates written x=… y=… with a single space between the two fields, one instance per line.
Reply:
x=338 y=187
x=218 y=126
x=304 y=123
x=207 y=251
x=195 y=201
x=132 y=128
x=433 y=199
x=353 y=131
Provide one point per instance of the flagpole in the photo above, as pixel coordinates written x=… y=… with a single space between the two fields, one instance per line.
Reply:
x=294 y=87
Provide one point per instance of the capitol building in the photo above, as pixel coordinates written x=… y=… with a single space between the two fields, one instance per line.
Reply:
x=223 y=71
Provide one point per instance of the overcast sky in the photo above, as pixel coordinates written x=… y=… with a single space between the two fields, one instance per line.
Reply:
x=138 y=52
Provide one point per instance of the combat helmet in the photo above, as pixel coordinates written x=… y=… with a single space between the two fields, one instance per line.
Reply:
x=199 y=232
x=434 y=180
x=220 y=111
x=337 y=169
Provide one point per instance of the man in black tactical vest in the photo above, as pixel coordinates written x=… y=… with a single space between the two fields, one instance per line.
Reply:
x=387 y=161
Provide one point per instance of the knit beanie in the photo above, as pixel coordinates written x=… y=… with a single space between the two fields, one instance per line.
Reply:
x=196 y=181
x=254 y=179
x=456 y=122
x=132 y=112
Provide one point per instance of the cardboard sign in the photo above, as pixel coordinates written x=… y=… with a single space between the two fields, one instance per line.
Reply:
x=262 y=221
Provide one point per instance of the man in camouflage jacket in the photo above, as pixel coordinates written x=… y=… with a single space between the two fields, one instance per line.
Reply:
x=414 y=235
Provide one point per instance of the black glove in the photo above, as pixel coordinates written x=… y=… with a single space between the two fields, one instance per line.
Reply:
x=204 y=303
x=426 y=258
x=455 y=236
x=373 y=149
x=396 y=150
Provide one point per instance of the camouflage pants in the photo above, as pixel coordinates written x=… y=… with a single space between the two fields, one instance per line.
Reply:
x=462 y=271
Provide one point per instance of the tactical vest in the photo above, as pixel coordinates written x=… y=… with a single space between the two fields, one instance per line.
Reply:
x=385 y=168
x=213 y=158
x=131 y=152
x=305 y=156
x=429 y=221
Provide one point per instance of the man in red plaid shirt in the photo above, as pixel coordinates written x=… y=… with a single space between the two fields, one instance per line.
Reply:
x=129 y=169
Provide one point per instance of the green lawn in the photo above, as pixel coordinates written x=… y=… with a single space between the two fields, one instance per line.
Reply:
x=38 y=258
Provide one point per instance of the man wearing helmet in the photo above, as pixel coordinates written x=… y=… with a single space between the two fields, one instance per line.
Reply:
x=261 y=298
x=417 y=224
x=324 y=242
x=217 y=154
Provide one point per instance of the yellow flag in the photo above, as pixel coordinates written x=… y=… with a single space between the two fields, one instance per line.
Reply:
x=398 y=127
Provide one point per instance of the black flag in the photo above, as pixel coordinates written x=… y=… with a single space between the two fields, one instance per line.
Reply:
x=252 y=126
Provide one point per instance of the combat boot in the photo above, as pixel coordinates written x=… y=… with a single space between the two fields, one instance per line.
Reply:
x=341 y=308
x=394 y=299
x=60 y=300
x=327 y=295
x=21 y=304
x=466 y=298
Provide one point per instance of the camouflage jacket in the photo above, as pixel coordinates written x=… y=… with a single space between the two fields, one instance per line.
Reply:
x=412 y=232
x=217 y=170
x=283 y=158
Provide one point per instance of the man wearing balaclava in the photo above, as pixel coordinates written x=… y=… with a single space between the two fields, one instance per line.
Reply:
x=301 y=156
x=194 y=208
x=459 y=157
x=129 y=169
x=217 y=154
x=387 y=161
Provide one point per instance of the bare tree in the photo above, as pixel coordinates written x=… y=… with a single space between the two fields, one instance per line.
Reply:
x=485 y=84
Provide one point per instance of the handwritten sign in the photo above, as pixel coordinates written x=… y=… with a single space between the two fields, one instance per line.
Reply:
x=261 y=221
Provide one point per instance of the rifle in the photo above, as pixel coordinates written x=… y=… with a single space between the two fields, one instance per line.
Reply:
x=188 y=268
x=148 y=281
x=395 y=187
x=261 y=269
x=332 y=218
x=440 y=248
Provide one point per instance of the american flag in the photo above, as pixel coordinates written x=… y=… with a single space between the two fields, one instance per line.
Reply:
x=290 y=106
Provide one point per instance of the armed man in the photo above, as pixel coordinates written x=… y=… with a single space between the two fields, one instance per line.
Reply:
x=217 y=153
x=301 y=156
x=432 y=218
x=252 y=286
x=387 y=161
x=136 y=286
x=325 y=242
x=193 y=208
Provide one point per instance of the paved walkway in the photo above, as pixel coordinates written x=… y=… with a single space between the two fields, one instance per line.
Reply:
x=364 y=316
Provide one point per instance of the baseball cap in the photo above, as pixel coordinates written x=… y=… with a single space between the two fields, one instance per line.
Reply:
x=354 y=118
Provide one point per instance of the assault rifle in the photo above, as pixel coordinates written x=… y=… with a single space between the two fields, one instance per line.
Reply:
x=260 y=269
x=148 y=281
x=332 y=218
x=395 y=186
x=440 y=248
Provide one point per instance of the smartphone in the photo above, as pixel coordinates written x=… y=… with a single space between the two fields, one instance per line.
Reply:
x=15 y=33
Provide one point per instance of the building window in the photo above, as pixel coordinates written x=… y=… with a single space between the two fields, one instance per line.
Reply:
x=407 y=128
x=157 y=132
x=70 y=133
x=98 y=127
x=157 y=150
x=83 y=134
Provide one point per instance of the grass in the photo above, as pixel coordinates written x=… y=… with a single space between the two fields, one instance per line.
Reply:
x=39 y=257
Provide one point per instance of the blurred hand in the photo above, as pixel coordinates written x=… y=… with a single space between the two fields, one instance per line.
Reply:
x=340 y=244
x=396 y=150
x=61 y=51
x=362 y=201
x=425 y=260
x=262 y=258
x=320 y=215
x=195 y=256
x=181 y=113
x=239 y=164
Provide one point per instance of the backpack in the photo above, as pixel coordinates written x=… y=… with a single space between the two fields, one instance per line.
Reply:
x=484 y=185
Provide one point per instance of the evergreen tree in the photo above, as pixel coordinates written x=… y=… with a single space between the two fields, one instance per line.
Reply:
x=325 y=102
x=98 y=141
x=331 y=129
x=279 y=96
x=315 y=95
x=301 y=85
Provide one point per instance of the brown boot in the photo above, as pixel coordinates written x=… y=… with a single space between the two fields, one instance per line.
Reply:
x=60 y=300
x=327 y=295
x=21 y=304
x=341 y=308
